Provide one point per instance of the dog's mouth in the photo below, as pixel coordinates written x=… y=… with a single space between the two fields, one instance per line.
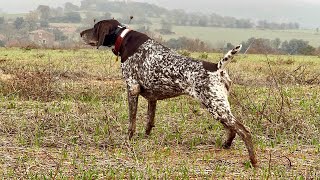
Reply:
x=92 y=43
x=88 y=38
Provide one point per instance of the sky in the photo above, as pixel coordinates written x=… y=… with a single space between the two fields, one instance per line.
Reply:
x=20 y=6
x=305 y=12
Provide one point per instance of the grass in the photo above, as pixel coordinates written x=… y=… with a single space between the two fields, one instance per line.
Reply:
x=63 y=114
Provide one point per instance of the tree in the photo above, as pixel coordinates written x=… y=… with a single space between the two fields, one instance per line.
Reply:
x=166 y=27
x=44 y=24
x=69 y=7
x=31 y=20
x=72 y=17
x=44 y=12
x=19 y=23
x=2 y=21
x=203 y=21
x=297 y=46
x=58 y=35
x=276 y=43
x=2 y=44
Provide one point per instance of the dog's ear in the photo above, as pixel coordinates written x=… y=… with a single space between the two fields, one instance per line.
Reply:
x=100 y=31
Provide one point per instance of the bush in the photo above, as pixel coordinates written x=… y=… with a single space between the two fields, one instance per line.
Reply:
x=203 y=55
x=36 y=85
x=2 y=43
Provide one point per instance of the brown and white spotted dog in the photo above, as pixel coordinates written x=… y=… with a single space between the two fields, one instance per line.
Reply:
x=157 y=72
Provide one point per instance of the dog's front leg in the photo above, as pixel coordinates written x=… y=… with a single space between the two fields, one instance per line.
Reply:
x=133 y=104
x=133 y=95
x=151 y=113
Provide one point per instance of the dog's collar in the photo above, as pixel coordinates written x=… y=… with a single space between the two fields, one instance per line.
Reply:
x=119 y=40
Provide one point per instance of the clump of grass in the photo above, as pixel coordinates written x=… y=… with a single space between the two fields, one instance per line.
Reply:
x=203 y=55
x=185 y=53
x=35 y=85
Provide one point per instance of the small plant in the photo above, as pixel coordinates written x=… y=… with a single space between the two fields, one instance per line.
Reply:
x=185 y=53
x=203 y=55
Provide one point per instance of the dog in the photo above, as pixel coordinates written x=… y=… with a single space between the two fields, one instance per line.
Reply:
x=157 y=72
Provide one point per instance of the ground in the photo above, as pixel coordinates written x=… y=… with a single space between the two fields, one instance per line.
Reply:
x=63 y=114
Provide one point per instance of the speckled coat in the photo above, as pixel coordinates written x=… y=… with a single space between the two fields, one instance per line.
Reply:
x=163 y=73
x=156 y=72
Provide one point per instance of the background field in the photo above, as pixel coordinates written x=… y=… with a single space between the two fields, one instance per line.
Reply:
x=63 y=114
x=218 y=36
x=221 y=36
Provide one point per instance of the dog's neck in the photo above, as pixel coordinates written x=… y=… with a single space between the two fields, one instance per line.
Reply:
x=121 y=32
x=130 y=43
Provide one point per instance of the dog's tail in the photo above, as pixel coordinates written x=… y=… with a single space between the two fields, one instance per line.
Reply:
x=228 y=57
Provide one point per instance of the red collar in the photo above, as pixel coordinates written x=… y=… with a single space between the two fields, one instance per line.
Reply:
x=119 y=41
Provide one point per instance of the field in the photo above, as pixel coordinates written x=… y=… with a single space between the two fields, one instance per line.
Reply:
x=63 y=114
x=218 y=37
x=221 y=36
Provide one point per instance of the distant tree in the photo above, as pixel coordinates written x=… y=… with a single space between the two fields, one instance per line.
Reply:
x=179 y=17
x=188 y=44
x=2 y=20
x=31 y=20
x=297 y=46
x=19 y=23
x=56 y=12
x=215 y=20
x=72 y=17
x=276 y=43
x=2 y=43
x=44 y=12
x=203 y=21
x=308 y=50
x=243 y=23
x=44 y=24
x=166 y=27
x=106 y=15
x=89 y=17
x=69 y=7
x=261 y=45
x=58 y=35
x=229 y=46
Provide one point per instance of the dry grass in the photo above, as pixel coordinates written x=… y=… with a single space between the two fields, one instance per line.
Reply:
x=63 y=114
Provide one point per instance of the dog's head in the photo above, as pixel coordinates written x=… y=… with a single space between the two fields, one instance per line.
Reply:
x=102 y=34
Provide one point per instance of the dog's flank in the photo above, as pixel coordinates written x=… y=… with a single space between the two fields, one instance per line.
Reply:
x=157 y=72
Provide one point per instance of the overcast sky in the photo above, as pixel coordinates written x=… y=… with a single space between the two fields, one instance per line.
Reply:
x=18 y=6
x=305 y=12
x=21 y=6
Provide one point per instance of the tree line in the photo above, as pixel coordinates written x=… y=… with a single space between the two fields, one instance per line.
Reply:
x=251 y=46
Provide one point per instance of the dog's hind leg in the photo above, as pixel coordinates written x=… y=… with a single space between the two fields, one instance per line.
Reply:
x=231 y=135
x=218 y=105
x=151 y=113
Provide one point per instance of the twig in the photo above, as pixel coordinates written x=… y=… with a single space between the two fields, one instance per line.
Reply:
x=279 y=88
x=269 y=167
x=290 y=164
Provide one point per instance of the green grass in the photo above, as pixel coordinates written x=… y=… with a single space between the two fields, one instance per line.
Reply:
x=63 y=114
